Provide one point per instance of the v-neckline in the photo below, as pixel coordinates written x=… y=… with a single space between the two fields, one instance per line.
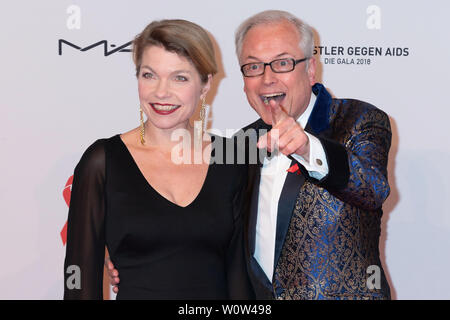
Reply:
x=151 y=188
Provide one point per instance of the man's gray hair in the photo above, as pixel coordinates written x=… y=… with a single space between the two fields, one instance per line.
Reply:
x=273 y=16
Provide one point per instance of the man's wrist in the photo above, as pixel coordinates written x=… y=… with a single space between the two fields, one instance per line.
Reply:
x=316 y=163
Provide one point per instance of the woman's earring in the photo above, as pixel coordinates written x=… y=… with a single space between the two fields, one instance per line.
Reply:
x=203 y=114
x=200 y=125
x=142 y=126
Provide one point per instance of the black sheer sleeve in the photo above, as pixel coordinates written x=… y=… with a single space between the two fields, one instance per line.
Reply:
x=239 y=287
x=85 y=250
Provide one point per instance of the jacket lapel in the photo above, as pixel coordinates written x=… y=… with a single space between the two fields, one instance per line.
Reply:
x=286 y=204
x=319 y=120
x=254 y=178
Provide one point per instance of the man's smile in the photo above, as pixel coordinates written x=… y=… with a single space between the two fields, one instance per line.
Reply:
x=277 y=96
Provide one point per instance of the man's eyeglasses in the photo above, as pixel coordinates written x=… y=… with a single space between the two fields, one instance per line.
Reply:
x=254 y=69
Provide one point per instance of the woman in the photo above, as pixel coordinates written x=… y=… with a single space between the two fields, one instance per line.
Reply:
x=174 y=231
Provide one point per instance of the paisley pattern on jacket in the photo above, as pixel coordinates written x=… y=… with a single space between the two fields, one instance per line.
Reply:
x=327 y=250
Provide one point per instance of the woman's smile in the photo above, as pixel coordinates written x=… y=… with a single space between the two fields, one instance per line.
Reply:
x=164 y=108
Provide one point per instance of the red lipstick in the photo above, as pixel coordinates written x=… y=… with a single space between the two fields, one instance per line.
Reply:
x=163 y=112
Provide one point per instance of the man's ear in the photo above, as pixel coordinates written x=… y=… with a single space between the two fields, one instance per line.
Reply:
x=312 y=71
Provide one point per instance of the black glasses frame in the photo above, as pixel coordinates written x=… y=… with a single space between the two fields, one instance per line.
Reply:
x=295 y=62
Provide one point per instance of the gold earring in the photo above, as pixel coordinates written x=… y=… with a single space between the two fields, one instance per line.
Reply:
x=202 y=115
x=142 y=126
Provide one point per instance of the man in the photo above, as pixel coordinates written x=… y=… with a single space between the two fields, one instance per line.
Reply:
x=313 y=232
x=315 y=203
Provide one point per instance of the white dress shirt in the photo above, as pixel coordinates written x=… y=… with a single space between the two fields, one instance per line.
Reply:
x=273 y=175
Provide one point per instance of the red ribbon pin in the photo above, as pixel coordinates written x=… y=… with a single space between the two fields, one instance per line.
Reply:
x=294 y=168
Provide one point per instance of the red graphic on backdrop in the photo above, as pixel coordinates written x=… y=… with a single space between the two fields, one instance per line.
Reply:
x=66 y=195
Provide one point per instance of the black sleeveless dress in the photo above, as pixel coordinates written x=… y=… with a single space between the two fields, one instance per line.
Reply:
x=161 y=250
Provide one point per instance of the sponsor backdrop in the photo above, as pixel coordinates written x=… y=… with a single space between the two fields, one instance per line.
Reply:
x=67 y=79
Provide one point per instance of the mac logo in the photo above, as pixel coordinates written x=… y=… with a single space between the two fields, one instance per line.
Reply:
x=123 y=48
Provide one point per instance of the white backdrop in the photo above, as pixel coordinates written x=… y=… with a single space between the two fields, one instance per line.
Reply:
x=54 y=106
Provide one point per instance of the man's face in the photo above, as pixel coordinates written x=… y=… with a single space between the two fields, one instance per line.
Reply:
x=292 y=90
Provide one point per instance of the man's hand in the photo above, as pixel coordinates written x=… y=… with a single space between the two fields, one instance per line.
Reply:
x=113 y=275
x=286 y=134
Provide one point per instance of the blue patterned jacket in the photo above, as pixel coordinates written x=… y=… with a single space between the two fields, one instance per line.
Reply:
x=328 y=231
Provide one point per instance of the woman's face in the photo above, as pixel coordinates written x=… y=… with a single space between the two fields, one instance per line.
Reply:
x=169 y=88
